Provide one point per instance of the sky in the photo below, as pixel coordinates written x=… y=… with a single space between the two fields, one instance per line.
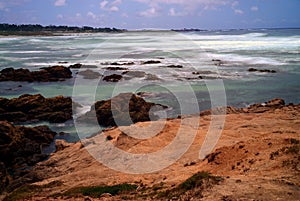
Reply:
x=154 y=14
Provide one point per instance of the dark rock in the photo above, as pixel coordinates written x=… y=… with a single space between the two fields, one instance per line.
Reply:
x=49 y=74
x=76 y=66
x=113 y=78
x=122 y=64
x=36 y=107
x=151 y=62
x=134 y=74
x=174 y=66
x=270 y=105
x=115 y=68
x=89 y=74
x=127 y=108
x=217 y=62
x=261 y=70
x=20 y=147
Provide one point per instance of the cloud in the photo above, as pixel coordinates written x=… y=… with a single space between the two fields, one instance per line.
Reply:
x=60 y=3
x=103 y=4
x=254 y=8
x=112 y=7
x=91 y=15
x=234 y=6
x=187 y=4
x=238 y=11
x=151 y=12
x=173 y=13
x=60 y=16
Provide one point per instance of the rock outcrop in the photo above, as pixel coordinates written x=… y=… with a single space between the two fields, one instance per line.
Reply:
x=36 y=108
x=20 y=148
x=255 y=158
x=127 y=108
x=48 y=74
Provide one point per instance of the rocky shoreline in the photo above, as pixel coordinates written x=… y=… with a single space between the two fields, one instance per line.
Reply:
x=257 y=157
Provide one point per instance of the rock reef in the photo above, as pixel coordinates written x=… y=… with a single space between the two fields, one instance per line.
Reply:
x=48 y=74
x=36 y=108
x=123 y=109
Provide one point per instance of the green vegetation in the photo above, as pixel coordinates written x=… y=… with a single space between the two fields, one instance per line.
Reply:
x=97 y=191
x=197 y=182
x=36 y=29
x=28 y=191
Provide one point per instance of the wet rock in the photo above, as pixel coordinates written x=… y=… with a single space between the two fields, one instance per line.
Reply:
x=151 y=62
x=36 y=107
x=115 y=68
x=89 y=74
x=118 y=63
x=113 y=78
x=134 y=74
x=122 y=64
x=174 y=66
x=261 y=70
x=217 y=62
x=21 y=147
x=121 y=110
x=76 y=66
x=48 y=74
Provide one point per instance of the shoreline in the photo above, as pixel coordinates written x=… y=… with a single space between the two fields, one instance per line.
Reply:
x=249 y=140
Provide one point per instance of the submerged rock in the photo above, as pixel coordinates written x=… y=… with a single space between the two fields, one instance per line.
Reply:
x=113 y=78
x=151 y=62
x=121 y=110
x=36 y=107
x=78 y=65
x=261 y=70
x=115 y=68
x=89 y=74
x=48 y=74
x=174 y=66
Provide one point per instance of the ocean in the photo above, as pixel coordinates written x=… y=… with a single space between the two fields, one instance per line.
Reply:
x=207 y=68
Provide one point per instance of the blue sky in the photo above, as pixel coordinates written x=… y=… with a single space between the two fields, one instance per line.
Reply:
x=160 y=14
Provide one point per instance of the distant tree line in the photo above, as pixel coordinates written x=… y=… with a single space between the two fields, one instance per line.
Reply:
x=36 y=28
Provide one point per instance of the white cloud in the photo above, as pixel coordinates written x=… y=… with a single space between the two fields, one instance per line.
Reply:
x=60 y=16
x=187 y=4
x=112 y=7
x=151 y=12
x=103 y=4
x=173 y=13
x=238 y=11
x=91 y=15
x=235 y=8
x=254 y=8
x=60 y=3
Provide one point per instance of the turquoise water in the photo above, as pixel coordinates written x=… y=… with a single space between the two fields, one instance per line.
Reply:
x=238 y=50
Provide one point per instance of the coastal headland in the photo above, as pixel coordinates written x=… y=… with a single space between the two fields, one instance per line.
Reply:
x=257 y=157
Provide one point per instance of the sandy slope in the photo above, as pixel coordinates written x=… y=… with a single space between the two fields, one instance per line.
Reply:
x=253 y=155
